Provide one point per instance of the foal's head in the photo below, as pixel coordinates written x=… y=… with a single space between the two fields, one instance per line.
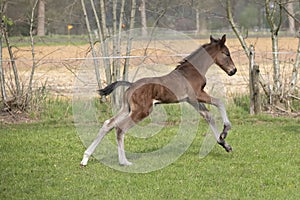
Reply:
x=221 y=55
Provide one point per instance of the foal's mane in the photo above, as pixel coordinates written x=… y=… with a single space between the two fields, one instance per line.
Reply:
x=186 y=59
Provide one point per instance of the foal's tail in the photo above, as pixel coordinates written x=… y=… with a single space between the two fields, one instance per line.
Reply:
x=110 y=88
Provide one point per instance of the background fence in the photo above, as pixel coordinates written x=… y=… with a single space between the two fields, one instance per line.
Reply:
x=57 y=65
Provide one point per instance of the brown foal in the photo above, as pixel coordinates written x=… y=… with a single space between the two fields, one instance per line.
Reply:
x=185 y=83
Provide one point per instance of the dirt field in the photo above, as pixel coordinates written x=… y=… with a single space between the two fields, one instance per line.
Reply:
x=57 y=65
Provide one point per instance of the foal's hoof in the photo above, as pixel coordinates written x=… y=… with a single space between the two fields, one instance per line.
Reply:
x=228 y=148
x=82 y=165
x=126 y=163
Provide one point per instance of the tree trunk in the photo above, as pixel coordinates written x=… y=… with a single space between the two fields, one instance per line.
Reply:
x=103 y=19
x=118 y=73
x=276 y=66
x=13 y=65
x=294 y=79
x=104 y=44
x=96 y=64
x=248 y=54
x=2 y=77
x=115 y=43
x=236 y=30
x=291 y=14
x=197 y=21
x=143 y=17
x=271 y=12
x=255 y=107
x=41 y=18
x=100 y=34
x=29 y=92
x=129 y=39
x=122 y=14
x=117 y=34
x=251 y=87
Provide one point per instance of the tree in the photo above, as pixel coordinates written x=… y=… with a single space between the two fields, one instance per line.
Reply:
x=274 y=14
x=115 y=10
x=19 y=97
x=142 y=9
x=91 y=40
x=201 y=22
x=28 y=94
x=235 y=28
x=16 y=87
x=3 y=5
x=248 y=51
x=248 y=12
x=291 y=14
x=274 y=19
x=41 y=18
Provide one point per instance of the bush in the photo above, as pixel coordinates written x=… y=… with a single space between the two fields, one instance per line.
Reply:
x=242 y=102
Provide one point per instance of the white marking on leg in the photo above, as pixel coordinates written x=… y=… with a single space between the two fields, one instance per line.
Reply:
x=208 y=118
x=211 y=122
x=220 y=105
x=122 y=128
x=121 y=151
x=102 y=132
x=154 y=101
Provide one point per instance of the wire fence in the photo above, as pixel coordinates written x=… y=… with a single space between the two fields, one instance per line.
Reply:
x=57 y=68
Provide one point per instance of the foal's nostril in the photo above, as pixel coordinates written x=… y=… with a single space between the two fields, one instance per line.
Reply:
x=232 y=72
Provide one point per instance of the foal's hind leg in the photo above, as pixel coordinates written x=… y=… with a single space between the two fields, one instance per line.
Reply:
x=107 y=126
x=121 y=151
x=122 y=127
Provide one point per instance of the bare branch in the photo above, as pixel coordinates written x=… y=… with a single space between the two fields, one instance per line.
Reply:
x=28 y=95
x=2 y=29
x=290 y=14
x=91 y=44
x=129 y=39
x=236 y=30
x=295 y=72
x=13 y=63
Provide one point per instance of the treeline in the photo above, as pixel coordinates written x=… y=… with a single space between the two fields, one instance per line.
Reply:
x=181 y=15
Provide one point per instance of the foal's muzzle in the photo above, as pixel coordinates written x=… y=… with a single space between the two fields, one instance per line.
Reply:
x=232 y=72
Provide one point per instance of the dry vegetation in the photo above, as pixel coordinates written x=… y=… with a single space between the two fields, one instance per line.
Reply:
x=58 y=64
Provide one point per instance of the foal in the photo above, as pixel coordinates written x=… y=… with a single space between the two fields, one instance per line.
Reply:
x=185 y=83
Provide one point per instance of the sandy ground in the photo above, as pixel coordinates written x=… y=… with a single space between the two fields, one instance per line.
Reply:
x=57 y=66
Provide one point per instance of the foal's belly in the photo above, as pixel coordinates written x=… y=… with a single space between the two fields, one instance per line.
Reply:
x=156 y=93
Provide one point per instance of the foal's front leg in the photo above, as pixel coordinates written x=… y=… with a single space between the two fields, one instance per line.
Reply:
x=210 y=120
x=227 y=125
x=203 y=97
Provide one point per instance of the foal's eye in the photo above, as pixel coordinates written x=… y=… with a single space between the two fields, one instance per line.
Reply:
x=226 y=54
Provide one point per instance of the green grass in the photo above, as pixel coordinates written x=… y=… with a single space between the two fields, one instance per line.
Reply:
x=41 y=161
x=49 y=40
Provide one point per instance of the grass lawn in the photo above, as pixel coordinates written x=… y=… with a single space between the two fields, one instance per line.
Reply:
x=41 y=161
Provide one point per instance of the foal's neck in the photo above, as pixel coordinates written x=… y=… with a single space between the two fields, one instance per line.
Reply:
x=202 y=58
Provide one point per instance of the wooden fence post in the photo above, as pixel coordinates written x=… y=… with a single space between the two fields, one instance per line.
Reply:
x=255 y=103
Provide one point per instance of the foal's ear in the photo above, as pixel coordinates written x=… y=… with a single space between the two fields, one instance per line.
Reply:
x=223 y=40
x=212 y=40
